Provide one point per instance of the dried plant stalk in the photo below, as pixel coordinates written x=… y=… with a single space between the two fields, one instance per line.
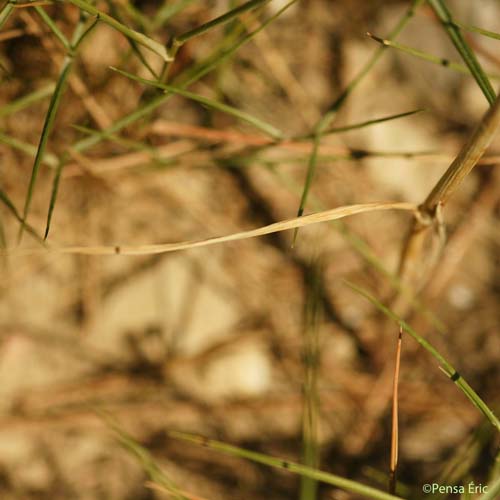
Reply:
x=426 y=236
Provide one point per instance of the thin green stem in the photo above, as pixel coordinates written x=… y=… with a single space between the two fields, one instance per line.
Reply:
x=27 y=100
x=6 y=12
x=12 y=209
x=440 y=61
x=294 y=468
x=48 y=159
x=53 y=26
x=81 y=31
x=256 y=122
x=311 y=360
x=225 y=18
x=444 y=15
x=140 y=38
x=475 y=29
x=192 y=77
x=47 y=129
x=493 y=491
x=326 y=120
x=167 y=11
x=446 y=366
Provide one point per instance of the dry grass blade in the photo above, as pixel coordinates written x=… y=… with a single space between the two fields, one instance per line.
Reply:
x=327 y=215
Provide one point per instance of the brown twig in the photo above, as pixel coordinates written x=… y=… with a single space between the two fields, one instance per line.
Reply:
x=395 y=425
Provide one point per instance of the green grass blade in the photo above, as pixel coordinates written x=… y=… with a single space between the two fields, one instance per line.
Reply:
x=444 y=15
x=209 y=103
x=167 y=11
x=53 y=26
x=6 y=12
x=493 y=491
x=311 y=360
x=133 y=44
x=156 y=474
x=27 y=100
x=3 y=239
x=368 y=123
x=48 y=158
x=12 y=209
x=447 y=367
x=420 y=54
x=81 y=31
x=475 y=29
x=295 y=468
x=47 y=128
x=140 y=38
x=328 y=117
x=224 y=18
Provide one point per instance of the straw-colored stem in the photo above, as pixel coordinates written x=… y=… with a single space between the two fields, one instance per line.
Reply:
x=467 y=158
x=415 y=255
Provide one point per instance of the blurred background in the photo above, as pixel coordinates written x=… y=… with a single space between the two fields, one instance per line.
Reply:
x=231 y=340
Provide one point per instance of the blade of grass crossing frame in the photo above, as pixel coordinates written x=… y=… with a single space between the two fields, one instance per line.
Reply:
x=218 y=106
x=444 y=15
x=294 y=468
x=311 y=360
x=445 y=365
x=326 y=120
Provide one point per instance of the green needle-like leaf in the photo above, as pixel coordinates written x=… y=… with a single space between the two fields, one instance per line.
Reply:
x=47 y=128
x=294 y=468
x=218 y=106
x=144 y=40
x=463 y=48
x=447 y=367
x=327 y=119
